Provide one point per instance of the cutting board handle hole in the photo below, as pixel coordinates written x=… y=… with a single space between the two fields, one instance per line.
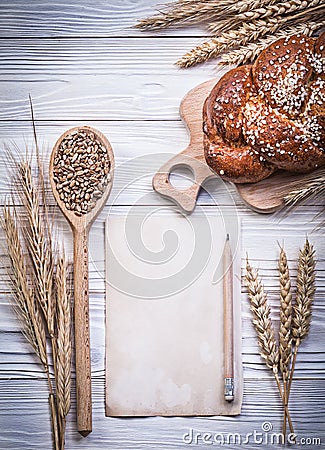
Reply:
x=181 y=177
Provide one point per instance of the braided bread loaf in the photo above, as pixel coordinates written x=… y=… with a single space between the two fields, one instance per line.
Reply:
x=270 y=115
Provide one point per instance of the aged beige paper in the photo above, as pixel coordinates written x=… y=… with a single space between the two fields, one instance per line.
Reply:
x=164 y=315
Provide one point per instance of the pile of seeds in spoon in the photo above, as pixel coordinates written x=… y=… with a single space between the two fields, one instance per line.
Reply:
x=81 y=170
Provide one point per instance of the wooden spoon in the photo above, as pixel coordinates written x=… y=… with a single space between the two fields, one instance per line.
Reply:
x=81 y=160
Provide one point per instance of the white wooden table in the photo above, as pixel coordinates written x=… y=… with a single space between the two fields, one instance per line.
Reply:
x=83 y=64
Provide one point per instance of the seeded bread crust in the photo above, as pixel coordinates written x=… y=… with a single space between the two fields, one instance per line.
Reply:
x=269 y=116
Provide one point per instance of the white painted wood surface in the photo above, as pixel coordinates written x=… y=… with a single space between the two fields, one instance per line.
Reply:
x=83 y=64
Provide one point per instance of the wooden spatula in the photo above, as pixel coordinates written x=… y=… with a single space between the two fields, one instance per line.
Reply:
x=81 y=174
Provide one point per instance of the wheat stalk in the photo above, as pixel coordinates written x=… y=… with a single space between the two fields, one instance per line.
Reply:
x=261 y=318
x=37 y=243
x=32 y=256
x=257 y=18
x=194 y=11
x=227 y=40
x=274 y=22
x=244 y=21
x=264 y=327
x=285 y=340
x=247 y=32
x=285 y=315
x=182 y=12
x=33 y=327
x=25 y=307
x=40 y=252
x=312 y=186
x=302 y=309
x=63 y=355
x=248 y=53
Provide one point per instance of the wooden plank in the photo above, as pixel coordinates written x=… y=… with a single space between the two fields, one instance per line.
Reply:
x=18 y=360
x=105 y=79
x=80 y=18
x=24 y=418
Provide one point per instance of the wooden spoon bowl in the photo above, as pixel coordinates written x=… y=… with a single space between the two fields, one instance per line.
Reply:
x=81 y=160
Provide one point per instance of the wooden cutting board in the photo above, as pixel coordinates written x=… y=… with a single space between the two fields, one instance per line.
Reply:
x=265 y=196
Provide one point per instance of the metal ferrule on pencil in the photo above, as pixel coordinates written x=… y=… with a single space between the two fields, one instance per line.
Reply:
x=229 y=389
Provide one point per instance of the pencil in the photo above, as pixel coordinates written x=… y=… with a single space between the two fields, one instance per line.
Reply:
x=228 y=322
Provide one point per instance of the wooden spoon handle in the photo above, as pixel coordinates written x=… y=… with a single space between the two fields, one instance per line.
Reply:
x=81 y=329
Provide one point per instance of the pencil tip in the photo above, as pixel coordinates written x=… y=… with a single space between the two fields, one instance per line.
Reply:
x=227 y=237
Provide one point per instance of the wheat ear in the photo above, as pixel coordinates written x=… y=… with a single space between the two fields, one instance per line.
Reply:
x=275 y=11
x=192 y=11
x=247 y=5
x=24 y=305
x=38 y=243
x=244 y=34
x=264 y=327
x=26 y=308
x=285 y=339
x=63 y=355
x=305 y=293
x=302 y=309
x=278 y=9
x=248 y=53
x=40 y=253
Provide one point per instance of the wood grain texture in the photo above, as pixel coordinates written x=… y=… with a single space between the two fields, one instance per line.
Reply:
x=83 y=64
x=81 y=18
x=103 y=79
x=148 y=433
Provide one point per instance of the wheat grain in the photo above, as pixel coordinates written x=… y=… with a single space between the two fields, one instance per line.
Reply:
x=248 y=53
x=63 y=355
x=84 y=156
